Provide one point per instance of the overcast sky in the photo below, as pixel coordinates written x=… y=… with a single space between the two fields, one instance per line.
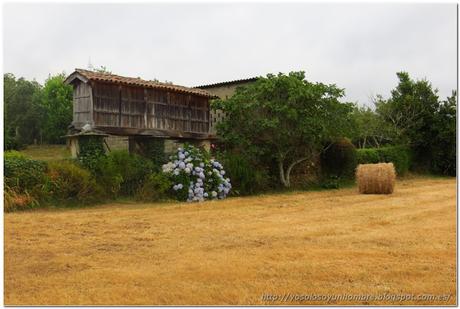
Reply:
x=359 y=47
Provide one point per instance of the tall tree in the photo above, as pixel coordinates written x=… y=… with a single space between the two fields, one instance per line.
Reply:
x=445 y=145
x=57 y=103
x=284 y=117
x=22 y=110
x=421 y=121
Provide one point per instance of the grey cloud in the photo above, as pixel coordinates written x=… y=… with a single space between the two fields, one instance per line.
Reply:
x=359 y=47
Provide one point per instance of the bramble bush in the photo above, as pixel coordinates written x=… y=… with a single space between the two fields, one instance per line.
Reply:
x=195 y=176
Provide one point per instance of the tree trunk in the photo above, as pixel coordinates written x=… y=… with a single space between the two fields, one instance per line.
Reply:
x=289 y=169
x=281 y=169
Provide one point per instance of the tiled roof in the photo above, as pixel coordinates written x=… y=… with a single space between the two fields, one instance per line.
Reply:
x=132 y=81
x=237 y=81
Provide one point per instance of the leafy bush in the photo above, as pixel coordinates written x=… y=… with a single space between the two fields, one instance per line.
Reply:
x=339 y=159
x=68 y=181
x=22 y=173
x=132 y=168
x=399 y=155
x=331 y=182
x=196 y=176
x=91 y=151
x=246 y=177
x=155 y=187
x=11 y=143
x=107 y=175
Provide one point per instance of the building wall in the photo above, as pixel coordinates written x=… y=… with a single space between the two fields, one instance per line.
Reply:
x=223 y=92
x=116 y=142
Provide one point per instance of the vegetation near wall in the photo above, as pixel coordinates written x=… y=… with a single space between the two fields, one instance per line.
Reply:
x=400 y=156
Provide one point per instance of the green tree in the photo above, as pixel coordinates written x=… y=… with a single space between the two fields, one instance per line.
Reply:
x=57 y=103
x=283 y=117
x=418 y=119
x=369 y=130
x=22 y=110
x=410 y=111
x=445 y=145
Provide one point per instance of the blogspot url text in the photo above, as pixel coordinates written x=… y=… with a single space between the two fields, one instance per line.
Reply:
x=325 y=298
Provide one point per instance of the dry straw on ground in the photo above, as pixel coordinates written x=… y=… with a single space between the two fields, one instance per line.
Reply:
x=234 y=251
x=376 y=178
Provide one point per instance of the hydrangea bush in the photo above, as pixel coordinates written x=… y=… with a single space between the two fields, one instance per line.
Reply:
x=195 y=176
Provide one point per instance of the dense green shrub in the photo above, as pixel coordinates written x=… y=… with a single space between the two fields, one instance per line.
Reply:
x=22 y=173
x=11 y=143
x=68 y=181
x=132 y=168
x=107 y=175
x=339 y=159
x=91 y=151
x=246 y=177
x=399 y=155
x=155 y=187
x=155 y=151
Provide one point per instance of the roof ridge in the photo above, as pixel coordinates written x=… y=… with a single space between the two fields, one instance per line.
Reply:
x=235 y=81
x=137 y=81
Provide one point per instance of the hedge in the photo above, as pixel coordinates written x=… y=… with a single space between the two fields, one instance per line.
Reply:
x=399 y=155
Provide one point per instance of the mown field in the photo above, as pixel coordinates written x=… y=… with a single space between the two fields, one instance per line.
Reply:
x=238 y=250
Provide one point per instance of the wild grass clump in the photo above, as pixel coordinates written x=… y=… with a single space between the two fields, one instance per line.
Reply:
x=376 y=178
x=14 y=200
x=68 y=181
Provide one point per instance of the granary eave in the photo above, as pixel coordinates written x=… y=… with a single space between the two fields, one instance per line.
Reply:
x=101 y=77
x=75 y=76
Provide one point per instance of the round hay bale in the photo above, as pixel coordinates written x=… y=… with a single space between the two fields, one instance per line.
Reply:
x=376 y=178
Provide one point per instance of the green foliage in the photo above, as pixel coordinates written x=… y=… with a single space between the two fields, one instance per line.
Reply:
x=283 y=117
x=155 y=188
x=368 y=156
x=421 y=121
x=400 y=156
x=23 y=112
x=57 y=103
x=155 y=151
x=132 y=168
x=369 y=130
x=91 y=151
x=70 y=182
x=107 y=175
x=247 y=178
x=339 y=159
x=330 y=182
x=444 y=146
x=22 y=173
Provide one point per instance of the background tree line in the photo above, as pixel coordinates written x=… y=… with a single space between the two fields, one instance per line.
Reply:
x=283 y=121
x=35 y=113
x=278 y=122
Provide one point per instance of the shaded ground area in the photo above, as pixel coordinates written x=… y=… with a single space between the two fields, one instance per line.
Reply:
x=238 y=250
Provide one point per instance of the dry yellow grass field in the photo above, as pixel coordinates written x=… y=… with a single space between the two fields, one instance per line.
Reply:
x=235 y=251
